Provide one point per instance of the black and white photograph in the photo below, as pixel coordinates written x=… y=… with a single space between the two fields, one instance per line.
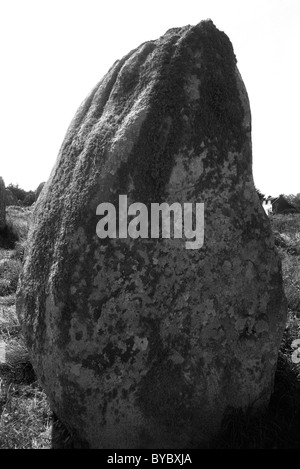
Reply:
x=150 y=227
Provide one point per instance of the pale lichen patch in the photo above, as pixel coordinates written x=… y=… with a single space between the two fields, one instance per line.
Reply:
x=192 y=88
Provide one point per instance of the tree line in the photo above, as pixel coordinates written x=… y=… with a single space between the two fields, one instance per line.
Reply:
x=25 y=198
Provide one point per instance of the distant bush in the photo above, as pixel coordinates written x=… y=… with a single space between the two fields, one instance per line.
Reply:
x=26 y=198
x=29 y=199
x=17 y=191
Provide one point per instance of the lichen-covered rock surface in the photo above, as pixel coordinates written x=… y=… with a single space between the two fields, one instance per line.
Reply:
x=38 y=190
x=2 y=204
x=142 y=343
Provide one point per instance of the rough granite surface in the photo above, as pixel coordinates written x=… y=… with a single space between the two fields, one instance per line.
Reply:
x=142 y=343
x=38 y=190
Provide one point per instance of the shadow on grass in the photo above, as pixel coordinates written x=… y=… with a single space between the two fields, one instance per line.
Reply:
x=278 y=427
x=8 y=237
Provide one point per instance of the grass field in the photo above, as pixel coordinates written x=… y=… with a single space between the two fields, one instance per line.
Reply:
x=25 y=415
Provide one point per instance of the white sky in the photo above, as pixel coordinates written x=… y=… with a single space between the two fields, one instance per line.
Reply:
x=54 y=51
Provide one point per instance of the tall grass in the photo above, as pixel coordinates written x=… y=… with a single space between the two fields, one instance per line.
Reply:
x=18 y=219
x=10 y=270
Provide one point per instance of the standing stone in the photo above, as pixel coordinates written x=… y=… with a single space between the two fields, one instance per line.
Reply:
x=143 y=343
x=2 y=204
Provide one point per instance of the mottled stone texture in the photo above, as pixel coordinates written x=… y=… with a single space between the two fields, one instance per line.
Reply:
x=38 y=190
x=2 y=204
x=141 y=343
